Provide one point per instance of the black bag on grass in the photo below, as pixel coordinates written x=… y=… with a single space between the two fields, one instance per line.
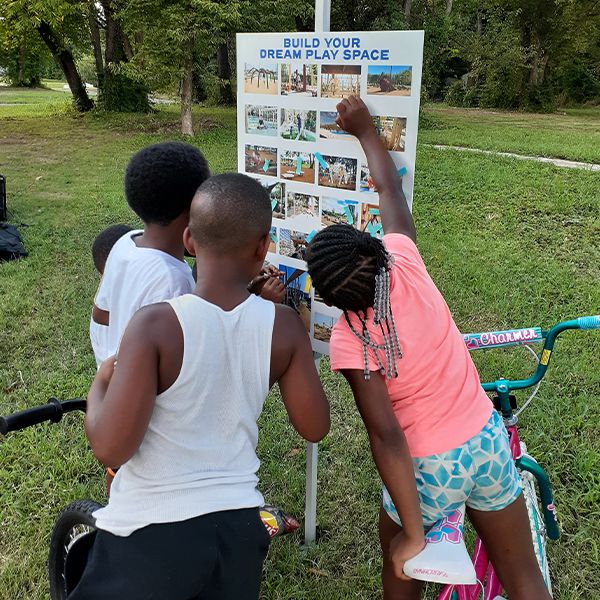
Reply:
x=11 y=244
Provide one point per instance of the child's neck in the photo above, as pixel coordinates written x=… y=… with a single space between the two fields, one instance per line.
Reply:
x=167 y=238
x=221 y=284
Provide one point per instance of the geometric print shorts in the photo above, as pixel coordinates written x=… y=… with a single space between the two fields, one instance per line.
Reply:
x=480 y=473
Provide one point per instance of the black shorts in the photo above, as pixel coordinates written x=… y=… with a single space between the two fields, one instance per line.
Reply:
x=218 y=556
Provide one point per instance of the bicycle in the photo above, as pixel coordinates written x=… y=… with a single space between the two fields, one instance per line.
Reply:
x=445 y=559
x=75 y=527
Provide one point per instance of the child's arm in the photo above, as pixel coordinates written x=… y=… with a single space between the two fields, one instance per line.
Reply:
x=391 y=455
x=122 y=396
x=293 y=367
x=355 y=119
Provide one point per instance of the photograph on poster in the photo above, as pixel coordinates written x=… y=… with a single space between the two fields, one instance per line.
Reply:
x=260 y=78
x=302 y=205
x=299 y=79
x=389 y=80
x=330 y=130
x=261 y=160
x=298 y=125
x=339 y=212
x=340 y=81
x=297 y=166
x=273 y=240
x=297 y=291
x=293 y=243
x=323 y=324
x=277 y=195
x=261 y=120
x=366 y=181
x=392 y=131
x=370 y=220
x=340 y=172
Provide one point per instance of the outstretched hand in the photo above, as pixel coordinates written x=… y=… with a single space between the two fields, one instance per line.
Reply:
x=354 y=117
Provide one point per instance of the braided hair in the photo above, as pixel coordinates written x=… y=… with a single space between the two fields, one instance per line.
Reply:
x=350 y=269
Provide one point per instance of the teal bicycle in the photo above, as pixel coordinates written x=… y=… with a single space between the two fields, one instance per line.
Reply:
x=445 y=558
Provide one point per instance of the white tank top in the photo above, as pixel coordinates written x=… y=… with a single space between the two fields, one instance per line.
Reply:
x=199 y=453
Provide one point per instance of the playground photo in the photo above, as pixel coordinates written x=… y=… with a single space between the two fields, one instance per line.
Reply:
x=273 y=240
x=370 y=220
x=297 y=166
x=339 y=173
x=323 y=324
x=277 y=195
x=298 y=125
x=262 y=120
x=302 y=205
x=366 y=183
x=340 y=81
x=383 y=80
x=392 y=131
x=260 y=78
x=297 y=292
x=299 y=79
x=339 y=212
x=261 y=160
x=292 y=243
x=330 y=130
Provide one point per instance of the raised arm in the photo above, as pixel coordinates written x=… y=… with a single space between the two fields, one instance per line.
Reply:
x=293 y=366
x=355 y=119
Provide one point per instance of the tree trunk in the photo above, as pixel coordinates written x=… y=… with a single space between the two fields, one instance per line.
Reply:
x=186 y=90
x=65 y=59
x=224 y=71
x=96 y=43
x=479 y=24
x=21 y=71
x=407 y=8
x=448 y=7
x=119 y=92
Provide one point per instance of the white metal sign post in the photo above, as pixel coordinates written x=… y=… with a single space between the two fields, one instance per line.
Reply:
x=316 y=174
x=322 y=24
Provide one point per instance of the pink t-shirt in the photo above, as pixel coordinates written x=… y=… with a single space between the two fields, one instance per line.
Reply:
x=437 y=396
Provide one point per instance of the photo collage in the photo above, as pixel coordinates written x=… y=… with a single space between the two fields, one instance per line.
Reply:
x=315 y=172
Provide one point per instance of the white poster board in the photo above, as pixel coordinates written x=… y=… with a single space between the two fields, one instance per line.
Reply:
x=317 y=175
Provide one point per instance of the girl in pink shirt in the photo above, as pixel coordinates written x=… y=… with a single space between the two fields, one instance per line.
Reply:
x=435 y=437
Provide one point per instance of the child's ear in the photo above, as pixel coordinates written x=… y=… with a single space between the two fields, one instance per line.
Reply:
x=263 y=247
x=188 y=242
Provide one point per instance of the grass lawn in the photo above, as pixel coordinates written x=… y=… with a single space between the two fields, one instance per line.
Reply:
x=572 y=134
x=509 y=243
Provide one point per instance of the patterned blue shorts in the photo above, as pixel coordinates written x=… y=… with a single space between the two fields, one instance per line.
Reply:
x=481 y=474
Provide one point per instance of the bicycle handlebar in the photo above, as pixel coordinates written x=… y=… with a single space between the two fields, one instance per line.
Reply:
x=52 y=411
x=516 y=337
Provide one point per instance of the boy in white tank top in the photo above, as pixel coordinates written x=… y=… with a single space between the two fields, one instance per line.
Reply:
x=179 y=413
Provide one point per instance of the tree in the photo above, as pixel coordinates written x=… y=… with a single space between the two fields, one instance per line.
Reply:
x=171 y=34
x=58 y=25
x=121 y=89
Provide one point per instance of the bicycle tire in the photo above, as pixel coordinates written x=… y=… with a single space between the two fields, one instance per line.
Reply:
x=537 y=525
x=73 y=524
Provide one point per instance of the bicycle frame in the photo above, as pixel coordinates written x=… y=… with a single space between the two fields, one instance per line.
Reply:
x=502 y=388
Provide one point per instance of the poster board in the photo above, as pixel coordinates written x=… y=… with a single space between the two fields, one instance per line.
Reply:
x=288 y=86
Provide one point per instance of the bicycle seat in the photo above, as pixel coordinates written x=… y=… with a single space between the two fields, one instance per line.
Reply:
x=445 y=558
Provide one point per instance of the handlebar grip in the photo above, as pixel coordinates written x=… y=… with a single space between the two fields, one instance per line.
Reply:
x=52 y=411
x=589 y=322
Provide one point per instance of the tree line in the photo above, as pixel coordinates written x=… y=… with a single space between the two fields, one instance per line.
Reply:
x=532 y=54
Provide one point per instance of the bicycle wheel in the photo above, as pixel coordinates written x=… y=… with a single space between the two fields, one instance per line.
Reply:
x=536 y=522
x=71 y=540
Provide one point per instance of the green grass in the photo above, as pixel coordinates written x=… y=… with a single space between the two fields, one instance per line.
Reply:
x=572 y=134
x=509 y=244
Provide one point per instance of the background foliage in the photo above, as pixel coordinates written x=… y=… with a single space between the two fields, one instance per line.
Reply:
x=532 y=54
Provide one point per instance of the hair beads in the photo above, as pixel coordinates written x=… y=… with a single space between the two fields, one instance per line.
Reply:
x=351 y=270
